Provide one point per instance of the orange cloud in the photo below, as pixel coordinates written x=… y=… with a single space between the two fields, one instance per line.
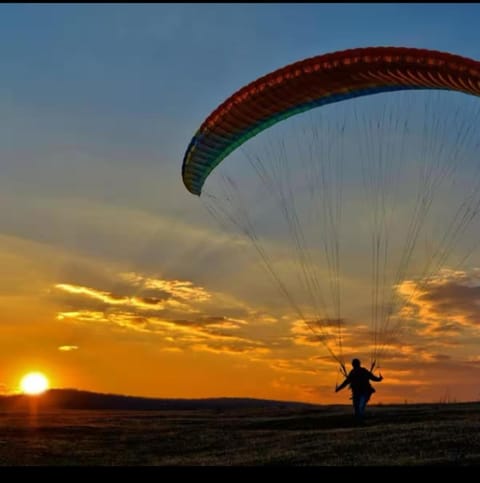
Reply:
x=446 y=306
x=155 y=314
x=68 y=348
x=108 y=298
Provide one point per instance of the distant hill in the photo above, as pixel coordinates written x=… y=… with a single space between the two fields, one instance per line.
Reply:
x=76 y=399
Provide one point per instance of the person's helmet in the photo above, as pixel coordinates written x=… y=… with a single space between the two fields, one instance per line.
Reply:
x=356 y=362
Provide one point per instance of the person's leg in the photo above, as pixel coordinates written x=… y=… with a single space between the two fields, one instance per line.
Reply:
x=362 y=405
x=359 y=404
x=357 y=407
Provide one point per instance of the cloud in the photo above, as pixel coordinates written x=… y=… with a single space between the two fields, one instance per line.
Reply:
x=89 y=292
x=152 y=295
x=82 y=315
x=179 y=315
x=179 y=289
x=231 y=349
x=203 y=333
x=176 y=312
x=447 y=306
x=312 y=332
x=305 y=366
x=68 y=348
x=160 y=302
x=349 y=339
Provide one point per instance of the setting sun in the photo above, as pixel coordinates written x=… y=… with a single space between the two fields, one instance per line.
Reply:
x=34 y=383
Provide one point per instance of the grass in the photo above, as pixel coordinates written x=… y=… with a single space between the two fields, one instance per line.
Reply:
x=441 y=434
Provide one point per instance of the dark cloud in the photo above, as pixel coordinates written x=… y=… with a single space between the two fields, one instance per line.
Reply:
x=147 y=293
x=446 y=327
x=149 y=300
x=453 y=294
x=455 y=301
x=449 y=303
x=441 y=357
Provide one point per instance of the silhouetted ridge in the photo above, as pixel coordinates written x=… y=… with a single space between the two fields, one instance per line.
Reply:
x=76 y=399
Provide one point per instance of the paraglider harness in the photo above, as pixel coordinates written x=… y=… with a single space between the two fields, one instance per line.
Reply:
x=368 y=390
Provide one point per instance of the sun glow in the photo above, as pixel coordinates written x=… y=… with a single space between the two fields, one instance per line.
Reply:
x=34 y=383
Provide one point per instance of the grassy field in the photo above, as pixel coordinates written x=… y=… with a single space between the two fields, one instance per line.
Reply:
x=443 y=434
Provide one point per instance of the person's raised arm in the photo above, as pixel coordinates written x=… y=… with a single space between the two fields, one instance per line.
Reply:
x=373 y=377
x=342 y=385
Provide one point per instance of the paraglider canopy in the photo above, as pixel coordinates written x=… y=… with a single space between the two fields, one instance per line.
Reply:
x=413 y=162
x=315 y=82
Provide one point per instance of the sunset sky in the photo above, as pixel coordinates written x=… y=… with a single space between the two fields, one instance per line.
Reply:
x=114 y=277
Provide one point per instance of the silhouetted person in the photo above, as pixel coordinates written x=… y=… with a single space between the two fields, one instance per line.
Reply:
x=359 y=379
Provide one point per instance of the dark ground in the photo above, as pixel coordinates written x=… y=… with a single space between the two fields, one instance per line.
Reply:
x=435 y=434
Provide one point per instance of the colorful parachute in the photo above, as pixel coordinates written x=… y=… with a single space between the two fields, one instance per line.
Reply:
x=418 y=166
x=315 y=82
